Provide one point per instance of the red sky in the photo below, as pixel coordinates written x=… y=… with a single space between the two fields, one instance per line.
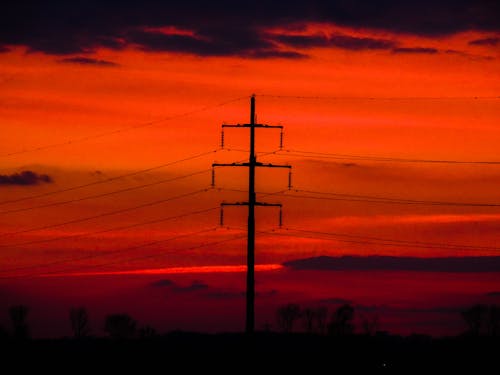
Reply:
x=347 y=89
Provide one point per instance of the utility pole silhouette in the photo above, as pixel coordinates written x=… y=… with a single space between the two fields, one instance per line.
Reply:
x=251 y=203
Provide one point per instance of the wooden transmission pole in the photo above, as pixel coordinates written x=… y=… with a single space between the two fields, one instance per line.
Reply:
x=251 y=203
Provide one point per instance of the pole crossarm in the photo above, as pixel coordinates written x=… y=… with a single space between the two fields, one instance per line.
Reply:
x=270 y=165
x=265 y=204
x=230 y=165
x=255 y=126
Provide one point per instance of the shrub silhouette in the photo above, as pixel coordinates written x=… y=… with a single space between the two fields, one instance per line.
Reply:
x=18 y=316
x=120 y=326
x=79 y=319
x=341 y=321
x=287 y=315
x=482 y=320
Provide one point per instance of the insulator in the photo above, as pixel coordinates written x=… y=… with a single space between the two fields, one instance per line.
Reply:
x=213 y=177
x=289 y=180
x=222 y=139
x=221 y=219
x=281 y=139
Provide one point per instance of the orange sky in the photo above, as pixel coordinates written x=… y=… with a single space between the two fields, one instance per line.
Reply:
x=44 y=101
x=110 y=120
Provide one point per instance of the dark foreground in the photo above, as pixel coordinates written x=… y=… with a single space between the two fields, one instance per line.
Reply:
x=284 y=351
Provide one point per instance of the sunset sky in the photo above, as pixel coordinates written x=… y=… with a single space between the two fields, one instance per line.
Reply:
x=111 y=119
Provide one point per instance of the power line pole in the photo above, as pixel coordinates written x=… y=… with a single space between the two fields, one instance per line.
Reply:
x=251 y=203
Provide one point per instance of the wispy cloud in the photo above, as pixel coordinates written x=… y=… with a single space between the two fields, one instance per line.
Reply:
x=87 y=61
x=24 y=178
x=391 y=263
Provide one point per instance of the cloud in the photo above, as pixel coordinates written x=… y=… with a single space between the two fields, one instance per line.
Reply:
x=225 y=295
x=340 y=41
x=87 y=61
x=421 y=50
x=221 y=294
x=226 y=27
x=390 y=263
x=493 y=294
x=468 y=55
x=196 y=285
x=213 y=43
x=485 y=42
x=336 y=301
x=163 y=283
x=24 y=178
x=193 y=287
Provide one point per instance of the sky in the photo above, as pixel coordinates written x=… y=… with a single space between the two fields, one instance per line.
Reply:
x=111 y=119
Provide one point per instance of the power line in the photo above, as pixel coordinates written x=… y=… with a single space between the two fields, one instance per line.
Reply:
x=56 y=273
x=325 y=155
x=384 y=200
x=109 y=213
x=110 y=179
x=402 y=98
x=398 y=242
x=369 y=199
x=106 y=194
x=121 y=130
x=98 y=255
x=114 y=229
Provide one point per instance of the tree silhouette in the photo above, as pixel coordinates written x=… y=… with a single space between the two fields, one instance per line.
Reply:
x=79 y=322
x=475 y=318
x=308 y=316
x=320 y=315
x=120 y=326
x=287 y=315
x=494 y=320
x=147 y=332
x=370 y=324
x=341 y=321
x=18 y=316
x=482 y=320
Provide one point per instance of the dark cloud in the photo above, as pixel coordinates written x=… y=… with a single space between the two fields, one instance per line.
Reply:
x=24 y=178
x=336 y=301
x=493 y=294
x=193 y=287
x=163 y=283
x=340 y=41
x=196 y=285
x=422 y=50
x=485 y=42
x=225 y=295
x=221 y=294
x=390 y=263
x=87 y=61
x=223 y=28
x=468 y=55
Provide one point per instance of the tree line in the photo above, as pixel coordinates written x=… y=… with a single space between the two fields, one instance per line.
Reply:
x=480 y=320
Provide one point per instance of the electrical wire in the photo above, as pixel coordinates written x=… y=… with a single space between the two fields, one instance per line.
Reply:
x=398 y=242
x=325 y=155
x=113 y=229
x=381 y=200
x=110 y=179
x=402 y=98
x=124 y=129
x=132 y=188
x=109 y=213
x=64 y=272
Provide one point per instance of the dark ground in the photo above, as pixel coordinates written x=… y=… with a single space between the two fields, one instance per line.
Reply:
x=236 y=352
